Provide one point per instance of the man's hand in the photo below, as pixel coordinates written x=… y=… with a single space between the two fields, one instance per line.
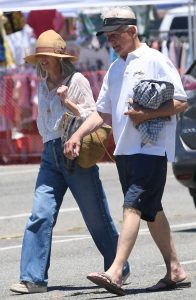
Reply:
x=72 y=147
x=136 y=113
x=139 y=114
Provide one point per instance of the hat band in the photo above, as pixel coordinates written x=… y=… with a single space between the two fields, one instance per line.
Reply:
x=119 y=21
x=51 y=50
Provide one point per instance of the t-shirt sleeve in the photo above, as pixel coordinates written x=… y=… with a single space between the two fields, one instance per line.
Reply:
x=167 y=71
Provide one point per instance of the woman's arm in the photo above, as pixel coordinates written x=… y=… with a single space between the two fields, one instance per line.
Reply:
x=72 y=146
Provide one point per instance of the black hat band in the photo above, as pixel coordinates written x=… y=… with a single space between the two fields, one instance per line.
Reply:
x=119 y=21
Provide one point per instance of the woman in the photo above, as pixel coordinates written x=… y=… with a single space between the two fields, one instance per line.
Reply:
x=55 y=68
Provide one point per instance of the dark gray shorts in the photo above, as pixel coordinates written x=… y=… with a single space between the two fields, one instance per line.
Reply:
x=143 y=180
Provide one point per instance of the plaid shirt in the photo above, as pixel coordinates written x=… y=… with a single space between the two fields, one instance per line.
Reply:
x=151 y=94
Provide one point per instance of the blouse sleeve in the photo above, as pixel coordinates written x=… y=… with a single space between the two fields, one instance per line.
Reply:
x=80 y=93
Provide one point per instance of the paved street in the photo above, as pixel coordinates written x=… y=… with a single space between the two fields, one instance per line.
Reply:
x=74 y=254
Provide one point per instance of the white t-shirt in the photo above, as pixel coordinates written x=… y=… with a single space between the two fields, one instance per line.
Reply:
x=117 y=88
x=51 y=110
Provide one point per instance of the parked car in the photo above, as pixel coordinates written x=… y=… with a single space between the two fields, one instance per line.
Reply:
x=175 y=22
x=184 y=166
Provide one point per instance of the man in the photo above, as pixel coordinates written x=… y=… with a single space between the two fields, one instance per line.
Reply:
x=142 y=167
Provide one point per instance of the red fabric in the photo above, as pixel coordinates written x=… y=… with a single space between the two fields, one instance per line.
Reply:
x=95 y=78
x=22 y=143
x=42 y=20
x=8 y=92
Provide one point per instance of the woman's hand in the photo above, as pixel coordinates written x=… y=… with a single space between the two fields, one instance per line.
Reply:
x=62 y=92
x=72 y=146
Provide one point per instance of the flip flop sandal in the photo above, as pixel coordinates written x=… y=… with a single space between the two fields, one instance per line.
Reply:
x=103 y=280
x=167 y=284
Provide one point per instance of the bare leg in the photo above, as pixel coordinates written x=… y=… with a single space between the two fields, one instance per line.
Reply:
x=161 y=234
x=127 y=238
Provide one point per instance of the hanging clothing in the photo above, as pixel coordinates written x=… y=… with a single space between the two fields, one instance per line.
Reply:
x=41 y=20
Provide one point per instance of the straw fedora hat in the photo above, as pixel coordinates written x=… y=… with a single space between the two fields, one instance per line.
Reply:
x=49 y=43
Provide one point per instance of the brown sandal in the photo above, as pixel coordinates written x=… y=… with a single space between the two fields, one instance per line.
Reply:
x=103 y=280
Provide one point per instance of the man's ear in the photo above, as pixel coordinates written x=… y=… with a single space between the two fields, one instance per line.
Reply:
x=133 y=31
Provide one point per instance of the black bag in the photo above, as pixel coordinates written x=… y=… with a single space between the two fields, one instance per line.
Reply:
x=70 y=125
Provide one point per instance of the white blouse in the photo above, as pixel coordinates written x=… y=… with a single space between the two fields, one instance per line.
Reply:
x=51 y=110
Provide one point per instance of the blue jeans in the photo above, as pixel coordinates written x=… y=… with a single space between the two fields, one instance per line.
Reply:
x=51 y=186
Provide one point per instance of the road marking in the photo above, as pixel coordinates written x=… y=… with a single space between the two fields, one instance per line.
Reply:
x=36 y=169
x=68 y=239
x=170 y=176
x=84 y=237
x=18 y=172
x=70 y=236
x=183 y=225
x=63 y=210
x=188 y=262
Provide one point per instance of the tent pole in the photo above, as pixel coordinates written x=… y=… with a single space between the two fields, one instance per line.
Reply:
x=190 y=32
x=194 y=29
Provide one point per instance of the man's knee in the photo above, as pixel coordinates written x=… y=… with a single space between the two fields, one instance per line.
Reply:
x=131 y=210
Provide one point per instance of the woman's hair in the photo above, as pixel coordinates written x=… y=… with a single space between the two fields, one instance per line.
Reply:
x=118 y=12
x=67 y=68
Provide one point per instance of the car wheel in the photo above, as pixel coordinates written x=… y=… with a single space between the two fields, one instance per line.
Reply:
x=193 y=194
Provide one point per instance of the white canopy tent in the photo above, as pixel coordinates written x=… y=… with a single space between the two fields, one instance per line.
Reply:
x=76 y=5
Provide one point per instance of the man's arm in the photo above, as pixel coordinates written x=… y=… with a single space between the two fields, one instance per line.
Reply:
x=72 y=146
x=139 y=114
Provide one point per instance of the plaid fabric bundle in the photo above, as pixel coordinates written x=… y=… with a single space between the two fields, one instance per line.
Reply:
x=151 y=94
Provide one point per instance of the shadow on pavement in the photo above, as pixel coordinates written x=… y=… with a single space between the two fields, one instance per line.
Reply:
x=70 y=288
x=186 y=230
x=79 y=289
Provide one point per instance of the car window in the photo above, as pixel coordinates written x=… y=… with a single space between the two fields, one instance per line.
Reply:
x=181 y=24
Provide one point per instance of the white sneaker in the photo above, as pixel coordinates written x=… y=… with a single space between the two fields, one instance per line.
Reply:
x=28 y=288
x=124 y=279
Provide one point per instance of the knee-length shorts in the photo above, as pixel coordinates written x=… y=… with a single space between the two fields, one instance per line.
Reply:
x=143 y=180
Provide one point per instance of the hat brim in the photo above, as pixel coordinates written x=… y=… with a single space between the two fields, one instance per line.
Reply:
x=108 y=29
x=32 y=59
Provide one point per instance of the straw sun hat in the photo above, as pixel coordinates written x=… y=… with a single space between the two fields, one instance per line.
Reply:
x=49 y=43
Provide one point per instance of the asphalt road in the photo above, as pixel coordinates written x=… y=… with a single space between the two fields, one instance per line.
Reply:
x=74 y=254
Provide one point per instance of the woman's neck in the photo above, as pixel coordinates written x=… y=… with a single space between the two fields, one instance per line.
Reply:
x=54 y=81
x=55 y=78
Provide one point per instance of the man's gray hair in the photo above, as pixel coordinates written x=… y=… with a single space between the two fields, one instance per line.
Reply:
x=118 y=12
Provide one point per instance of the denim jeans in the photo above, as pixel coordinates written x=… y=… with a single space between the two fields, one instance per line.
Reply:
x=51 y=186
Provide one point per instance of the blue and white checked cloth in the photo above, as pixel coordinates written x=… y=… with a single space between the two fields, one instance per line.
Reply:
x=151 y=94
